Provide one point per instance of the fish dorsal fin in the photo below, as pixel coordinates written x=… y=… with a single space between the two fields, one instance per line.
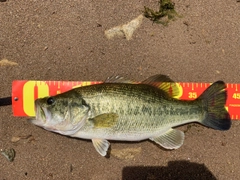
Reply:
x=172 y=139
x=118 y=79
x=105 y=120
x=101 y=146
x=163 y=82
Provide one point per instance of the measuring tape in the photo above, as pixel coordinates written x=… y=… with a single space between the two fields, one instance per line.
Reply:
x=25 y=92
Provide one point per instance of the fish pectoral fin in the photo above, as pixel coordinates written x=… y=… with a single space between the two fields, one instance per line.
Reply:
x=105 y=120
x=101 y=145
x=172 y=139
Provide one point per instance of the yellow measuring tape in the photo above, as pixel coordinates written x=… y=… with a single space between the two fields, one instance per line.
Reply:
x=25 y=92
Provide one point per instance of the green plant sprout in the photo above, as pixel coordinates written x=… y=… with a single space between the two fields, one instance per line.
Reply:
x=165 y=13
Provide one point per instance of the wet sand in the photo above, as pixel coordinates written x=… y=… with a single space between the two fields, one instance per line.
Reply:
x=65 y=40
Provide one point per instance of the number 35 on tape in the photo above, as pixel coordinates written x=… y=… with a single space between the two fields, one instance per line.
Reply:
x=25 y=92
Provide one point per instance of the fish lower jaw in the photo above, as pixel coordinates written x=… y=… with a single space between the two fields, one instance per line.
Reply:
x=50 y=129
x=37 y=122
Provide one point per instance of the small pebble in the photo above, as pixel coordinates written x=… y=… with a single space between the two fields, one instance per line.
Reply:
x=9 y=154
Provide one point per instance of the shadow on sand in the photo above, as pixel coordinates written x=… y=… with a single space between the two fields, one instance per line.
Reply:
x=176 y=170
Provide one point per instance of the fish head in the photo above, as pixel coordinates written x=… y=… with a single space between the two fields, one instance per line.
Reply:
x=64 y=113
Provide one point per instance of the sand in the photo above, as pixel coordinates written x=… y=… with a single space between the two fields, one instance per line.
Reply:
x=65 y=40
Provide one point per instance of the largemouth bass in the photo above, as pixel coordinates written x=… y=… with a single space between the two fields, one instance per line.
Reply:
x=121 y=110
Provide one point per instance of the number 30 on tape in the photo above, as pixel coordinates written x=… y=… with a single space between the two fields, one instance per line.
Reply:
x=25 y=92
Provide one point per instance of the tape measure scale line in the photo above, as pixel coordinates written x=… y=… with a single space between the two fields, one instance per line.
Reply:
x=233 y=100
x=25 y=92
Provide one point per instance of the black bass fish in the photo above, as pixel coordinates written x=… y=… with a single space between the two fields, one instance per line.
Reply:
x=121 y=110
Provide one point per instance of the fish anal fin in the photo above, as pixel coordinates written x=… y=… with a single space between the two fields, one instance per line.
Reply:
x=172 y=139
x=101 y=146
x=164 y=83
x=105 y=120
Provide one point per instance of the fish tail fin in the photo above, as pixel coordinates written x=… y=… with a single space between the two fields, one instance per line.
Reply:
x=213 y=102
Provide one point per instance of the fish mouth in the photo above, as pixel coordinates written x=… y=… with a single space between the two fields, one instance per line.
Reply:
x=41 y=115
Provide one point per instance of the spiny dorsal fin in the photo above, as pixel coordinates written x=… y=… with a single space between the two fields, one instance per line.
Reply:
x=163 y=82
x=105 y=120
x=118 y=79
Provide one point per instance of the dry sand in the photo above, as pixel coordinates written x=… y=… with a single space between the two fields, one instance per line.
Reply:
x=64 y=40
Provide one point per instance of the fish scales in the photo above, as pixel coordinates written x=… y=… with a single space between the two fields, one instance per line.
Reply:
x=140 y=106
x=121 y=110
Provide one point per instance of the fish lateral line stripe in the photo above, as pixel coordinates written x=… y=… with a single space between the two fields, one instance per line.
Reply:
x=25 y=89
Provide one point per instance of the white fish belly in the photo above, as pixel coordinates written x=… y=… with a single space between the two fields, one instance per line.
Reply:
x=126 y=134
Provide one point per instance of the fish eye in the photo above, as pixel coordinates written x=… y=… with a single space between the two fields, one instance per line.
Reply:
x=50 y=101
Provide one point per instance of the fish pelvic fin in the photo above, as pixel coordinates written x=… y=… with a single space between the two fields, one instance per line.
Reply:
x=101 y=146
x=213 y=102
x=172 y=139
